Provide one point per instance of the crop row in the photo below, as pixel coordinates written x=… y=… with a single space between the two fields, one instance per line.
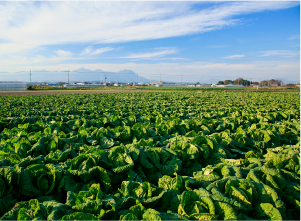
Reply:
x=150 y=156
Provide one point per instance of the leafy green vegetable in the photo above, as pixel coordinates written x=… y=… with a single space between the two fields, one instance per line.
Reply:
x=150 y=156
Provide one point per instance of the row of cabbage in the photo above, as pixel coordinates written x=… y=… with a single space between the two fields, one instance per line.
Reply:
x=150 y=156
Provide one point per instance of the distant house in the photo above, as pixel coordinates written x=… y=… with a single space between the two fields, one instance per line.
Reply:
x=274 y=85
x=203 y=85
x=155 y=83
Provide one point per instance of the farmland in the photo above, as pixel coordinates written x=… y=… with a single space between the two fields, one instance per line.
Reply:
x=151 y=156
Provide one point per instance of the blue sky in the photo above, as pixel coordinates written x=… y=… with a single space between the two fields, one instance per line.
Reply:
x=206 y=41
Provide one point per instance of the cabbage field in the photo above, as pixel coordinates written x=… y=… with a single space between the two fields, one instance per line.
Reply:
x=150 y=156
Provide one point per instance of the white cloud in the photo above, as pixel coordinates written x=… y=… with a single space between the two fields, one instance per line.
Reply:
x=294 y=37
x=235 y=56
x=88 y=50
x=17 y=60
x=49 y=23
x=101 y=50
x=159 y=52
x=64 y=54
x=11 y=48
x=281 y=53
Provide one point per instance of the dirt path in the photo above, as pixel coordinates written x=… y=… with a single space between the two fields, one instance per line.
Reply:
x=72 y=92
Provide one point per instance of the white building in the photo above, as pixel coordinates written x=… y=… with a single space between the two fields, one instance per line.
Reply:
x=203 y=85
x=227 y=85
x=13 y=86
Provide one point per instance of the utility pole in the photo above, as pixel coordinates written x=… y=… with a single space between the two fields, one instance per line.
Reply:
x=30 y=76
x=137 y=79
x=160 y=77
x=68 y=76
x=181 y=79
x=106 y=78
x=202 y=80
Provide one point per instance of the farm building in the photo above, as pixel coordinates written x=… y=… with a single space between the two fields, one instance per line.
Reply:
x=12 y=86
x=227 y=85
x=84 y=85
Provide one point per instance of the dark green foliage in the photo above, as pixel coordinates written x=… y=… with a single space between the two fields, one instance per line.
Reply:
x=154 y=156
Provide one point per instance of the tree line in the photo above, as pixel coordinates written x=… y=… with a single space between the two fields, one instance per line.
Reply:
x=241 y=81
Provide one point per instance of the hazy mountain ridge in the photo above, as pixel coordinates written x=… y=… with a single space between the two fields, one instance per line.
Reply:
x=86 y=75
x=123 y=76
x=78 y=75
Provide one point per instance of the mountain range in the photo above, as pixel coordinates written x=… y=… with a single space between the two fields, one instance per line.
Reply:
x=78 y=75
x=84 y=75
x=124 y=76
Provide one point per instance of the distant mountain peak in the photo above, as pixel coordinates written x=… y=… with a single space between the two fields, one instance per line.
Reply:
x=82 y=70
x=125 y=71
x=98 y=70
